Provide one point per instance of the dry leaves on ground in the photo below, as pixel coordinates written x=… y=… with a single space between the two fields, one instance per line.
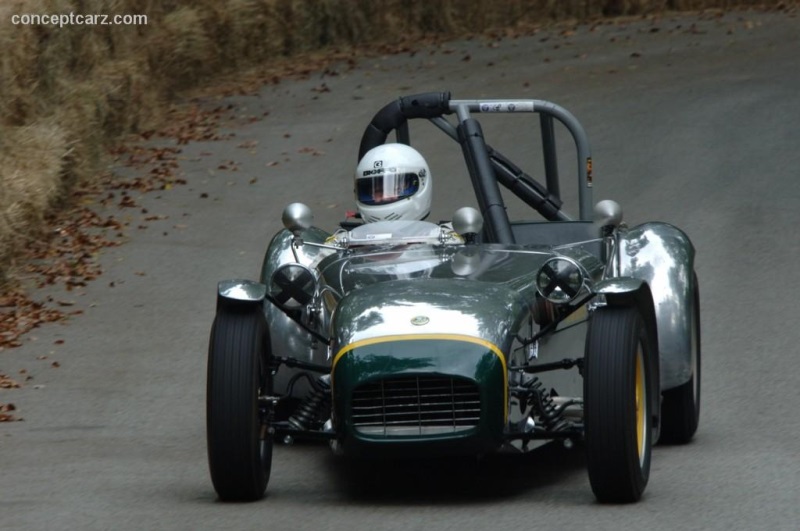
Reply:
x=66 y=255
x=6 y=382
x=6 y=414
x=21 y=314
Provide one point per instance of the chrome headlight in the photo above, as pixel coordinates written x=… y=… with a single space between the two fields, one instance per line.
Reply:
x=560 y=280
x=293 y=286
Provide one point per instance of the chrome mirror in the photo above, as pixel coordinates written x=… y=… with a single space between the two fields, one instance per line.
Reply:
x=468 y=222
x=608 y=213
x=297 y=217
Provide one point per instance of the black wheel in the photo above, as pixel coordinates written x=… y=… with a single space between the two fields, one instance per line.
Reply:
x=680 y=410
x=619 y=382
x=239 y=445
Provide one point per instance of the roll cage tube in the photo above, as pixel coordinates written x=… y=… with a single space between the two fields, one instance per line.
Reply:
x=395 y=115
x=497 y=226
x=544 y=199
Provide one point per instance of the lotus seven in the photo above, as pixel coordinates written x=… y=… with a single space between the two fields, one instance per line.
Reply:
x=481 y=335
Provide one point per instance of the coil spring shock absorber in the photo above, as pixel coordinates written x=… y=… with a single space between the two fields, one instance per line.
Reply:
x=313 y=407
x=550 y=414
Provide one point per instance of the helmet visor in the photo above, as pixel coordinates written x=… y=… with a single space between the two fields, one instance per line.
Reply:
x=387 y=188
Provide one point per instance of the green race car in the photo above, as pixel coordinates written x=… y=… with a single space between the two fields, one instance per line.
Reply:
x=405 y=337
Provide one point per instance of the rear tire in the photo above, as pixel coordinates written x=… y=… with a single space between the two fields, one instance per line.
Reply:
x=619 y=382
x=239 y=444
x=680 y=410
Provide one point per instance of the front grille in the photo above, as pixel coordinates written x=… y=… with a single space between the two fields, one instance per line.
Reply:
x=417 y=405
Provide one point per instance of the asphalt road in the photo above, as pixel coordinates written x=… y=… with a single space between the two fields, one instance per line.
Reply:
x=692 y=120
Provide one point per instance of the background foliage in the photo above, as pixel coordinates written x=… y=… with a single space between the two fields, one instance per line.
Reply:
x=68 y=93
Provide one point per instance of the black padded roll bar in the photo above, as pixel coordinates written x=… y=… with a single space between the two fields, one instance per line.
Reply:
x=397 y=113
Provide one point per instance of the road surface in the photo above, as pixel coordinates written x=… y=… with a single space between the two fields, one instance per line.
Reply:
x=693 y=120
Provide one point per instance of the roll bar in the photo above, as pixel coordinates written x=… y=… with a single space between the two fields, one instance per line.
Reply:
x=487 y=166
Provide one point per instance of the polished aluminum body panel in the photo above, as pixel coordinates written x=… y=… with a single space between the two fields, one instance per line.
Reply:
x=663 y=256
x=286 y=336
x=280 y=252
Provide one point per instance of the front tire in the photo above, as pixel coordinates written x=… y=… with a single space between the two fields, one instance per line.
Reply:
x=619 y=382
x=680 y=410
x=239 y=444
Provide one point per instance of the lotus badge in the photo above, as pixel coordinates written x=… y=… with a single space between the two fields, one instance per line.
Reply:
x=420 y=320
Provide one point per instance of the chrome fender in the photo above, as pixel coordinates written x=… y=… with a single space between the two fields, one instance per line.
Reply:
x=286 y=337
x=240 y=292
x=662 y=256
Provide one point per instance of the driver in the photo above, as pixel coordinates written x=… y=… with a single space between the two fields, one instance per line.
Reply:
x=393 y=190
x=393 y=182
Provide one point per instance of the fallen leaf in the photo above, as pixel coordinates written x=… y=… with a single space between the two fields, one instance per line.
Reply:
x=6 y=415
x=310 y=151
x=7 y=383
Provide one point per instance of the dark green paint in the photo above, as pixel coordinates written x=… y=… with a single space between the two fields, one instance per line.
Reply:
x=441 y=357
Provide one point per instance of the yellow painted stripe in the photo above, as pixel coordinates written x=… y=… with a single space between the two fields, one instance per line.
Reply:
x=415 y=337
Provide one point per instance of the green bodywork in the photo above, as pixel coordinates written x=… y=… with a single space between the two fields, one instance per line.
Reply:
x=422 y=356
x=430 y=312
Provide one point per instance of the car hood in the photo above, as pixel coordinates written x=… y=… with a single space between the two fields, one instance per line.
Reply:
x=477 y=291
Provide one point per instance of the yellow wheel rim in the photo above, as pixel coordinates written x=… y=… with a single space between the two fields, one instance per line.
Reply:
x=641 y=404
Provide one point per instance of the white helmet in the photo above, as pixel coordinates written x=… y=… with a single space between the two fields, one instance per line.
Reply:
x=393 y=182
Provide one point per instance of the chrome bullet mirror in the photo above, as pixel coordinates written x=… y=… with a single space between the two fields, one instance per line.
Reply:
x=297 y=217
